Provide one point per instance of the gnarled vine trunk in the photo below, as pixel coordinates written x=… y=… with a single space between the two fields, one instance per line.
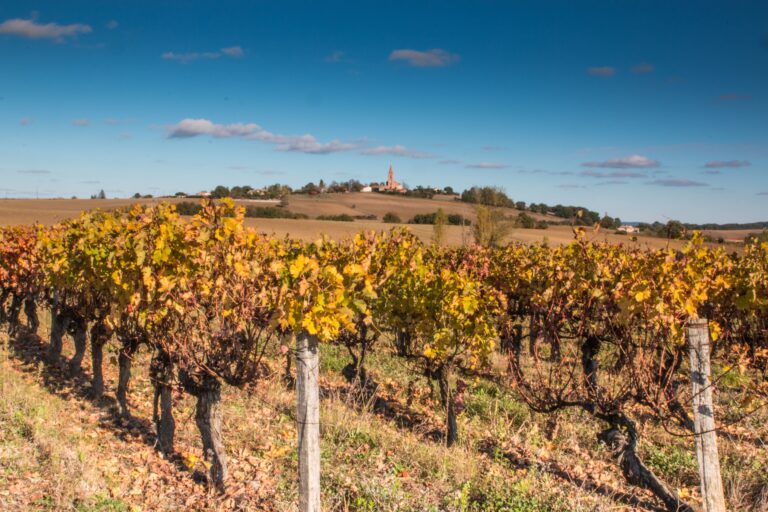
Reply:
x=3 y=299
x=124 y=360
x=670 y=366
x=623 y=448
x=288 y=379
x=30 y=310
x=79 y=329
x=161 y=374
x=534 y=335
x=99 y=336
x=512 y=342
x=355 y=372
x=443 y=374
x=59 y=324
x=13 y=315
x=403 y=342
x=621 y=436
x=208 y=420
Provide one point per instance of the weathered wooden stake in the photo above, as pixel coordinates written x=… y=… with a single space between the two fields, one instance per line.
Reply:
x=308 y=419
x=704 y=417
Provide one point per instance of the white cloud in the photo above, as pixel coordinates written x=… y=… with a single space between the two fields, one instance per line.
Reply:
x=435 y=58
x=33 y=30
x=193 y=127
x=81 y=122
x=396 y=150
x=634 y=161
x=731 y=164
x=307 y=144
x=486 y=165
x=186 y=57
x=112 y=25
x=602 y=71
x=188 y=128
x=233 y=51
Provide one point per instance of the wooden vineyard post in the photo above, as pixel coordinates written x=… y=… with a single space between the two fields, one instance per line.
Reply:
x=704 y=417
x=308 y=421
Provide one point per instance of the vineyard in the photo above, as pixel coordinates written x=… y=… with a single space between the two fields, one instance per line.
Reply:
x=589 y=333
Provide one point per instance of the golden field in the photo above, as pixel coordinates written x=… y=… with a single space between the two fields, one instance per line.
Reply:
x=50 y=211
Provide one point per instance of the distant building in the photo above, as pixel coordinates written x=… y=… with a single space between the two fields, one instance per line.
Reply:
x=204 y=194
x=626 y=228
x=392 y=185
x=367 y=188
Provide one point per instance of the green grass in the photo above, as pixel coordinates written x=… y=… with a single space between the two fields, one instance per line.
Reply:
x=673 y=462
x=101 y=503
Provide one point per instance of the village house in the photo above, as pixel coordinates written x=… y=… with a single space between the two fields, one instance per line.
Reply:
x=626 y=228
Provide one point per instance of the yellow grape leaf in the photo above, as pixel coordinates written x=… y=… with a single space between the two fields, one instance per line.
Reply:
x=190 y=460
x=714 y=330
x=298 y=265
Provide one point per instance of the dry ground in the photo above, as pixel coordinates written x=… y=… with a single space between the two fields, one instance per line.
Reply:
x=59 y=450
x=730 y=234
x=50 y=211
x=310 y=230
x=379 y=204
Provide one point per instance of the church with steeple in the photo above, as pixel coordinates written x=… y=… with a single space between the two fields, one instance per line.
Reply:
x=392 y=185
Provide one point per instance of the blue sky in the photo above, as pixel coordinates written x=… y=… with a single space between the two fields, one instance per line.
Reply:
x=645 y=110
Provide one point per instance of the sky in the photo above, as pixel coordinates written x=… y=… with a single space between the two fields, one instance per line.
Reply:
x=642 y=110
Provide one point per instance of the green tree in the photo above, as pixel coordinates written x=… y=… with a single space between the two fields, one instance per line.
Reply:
x=674 y=230
x=220 y=192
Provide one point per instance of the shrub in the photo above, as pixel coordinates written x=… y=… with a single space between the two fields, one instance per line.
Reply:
x=525 y=221
x=188 y=208
x=272 y=212
x=392 y=218
x=454 y=219
x=263 y=212
x=341 y=218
